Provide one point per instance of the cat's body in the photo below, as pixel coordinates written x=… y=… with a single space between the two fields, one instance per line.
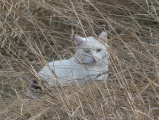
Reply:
x=88 y=63
x=70 y=71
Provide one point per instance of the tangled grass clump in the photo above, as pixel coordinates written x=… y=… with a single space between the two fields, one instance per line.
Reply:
x=33 y=32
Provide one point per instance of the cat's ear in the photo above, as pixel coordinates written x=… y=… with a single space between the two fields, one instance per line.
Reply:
x=103 y=36
x=78 y=39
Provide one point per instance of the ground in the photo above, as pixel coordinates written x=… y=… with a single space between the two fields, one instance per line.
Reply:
x=35 y=32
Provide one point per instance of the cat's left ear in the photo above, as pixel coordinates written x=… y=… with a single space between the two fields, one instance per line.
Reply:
x=78 y=39
x=103 y=36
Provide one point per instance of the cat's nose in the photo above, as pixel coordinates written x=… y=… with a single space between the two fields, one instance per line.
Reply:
x=94 y=59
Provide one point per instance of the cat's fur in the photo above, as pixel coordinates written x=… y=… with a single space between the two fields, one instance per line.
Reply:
x=88 y=63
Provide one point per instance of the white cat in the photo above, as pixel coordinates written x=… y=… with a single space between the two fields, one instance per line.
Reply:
x=88 y=63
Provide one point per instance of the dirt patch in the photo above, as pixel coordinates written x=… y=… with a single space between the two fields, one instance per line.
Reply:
x=34 y=32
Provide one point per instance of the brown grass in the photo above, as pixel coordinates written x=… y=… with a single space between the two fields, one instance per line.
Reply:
x=33 y=31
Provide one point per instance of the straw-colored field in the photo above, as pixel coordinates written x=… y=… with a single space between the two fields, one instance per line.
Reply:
x=33 y=32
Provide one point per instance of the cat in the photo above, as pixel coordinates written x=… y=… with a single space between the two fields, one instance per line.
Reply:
x=89 y=63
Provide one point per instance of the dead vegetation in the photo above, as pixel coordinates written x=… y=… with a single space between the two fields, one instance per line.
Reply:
x=34 y=31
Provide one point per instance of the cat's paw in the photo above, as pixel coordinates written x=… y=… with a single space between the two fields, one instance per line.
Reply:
x=102 y=77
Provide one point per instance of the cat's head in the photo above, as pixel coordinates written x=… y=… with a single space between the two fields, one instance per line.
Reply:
x=91 y=50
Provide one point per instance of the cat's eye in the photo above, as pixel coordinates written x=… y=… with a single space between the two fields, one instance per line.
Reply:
x=87 y=51
x=98 y=50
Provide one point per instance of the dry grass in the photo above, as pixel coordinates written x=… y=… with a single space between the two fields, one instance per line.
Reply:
x=31 y=30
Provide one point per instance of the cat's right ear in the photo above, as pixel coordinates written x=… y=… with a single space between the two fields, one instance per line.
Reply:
x=78 y=40
x=103 y=36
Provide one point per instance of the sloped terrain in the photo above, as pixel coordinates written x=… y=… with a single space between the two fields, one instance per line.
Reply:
x=34 y=32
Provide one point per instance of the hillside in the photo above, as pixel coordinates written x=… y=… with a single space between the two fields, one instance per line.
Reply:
x=33 y=32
